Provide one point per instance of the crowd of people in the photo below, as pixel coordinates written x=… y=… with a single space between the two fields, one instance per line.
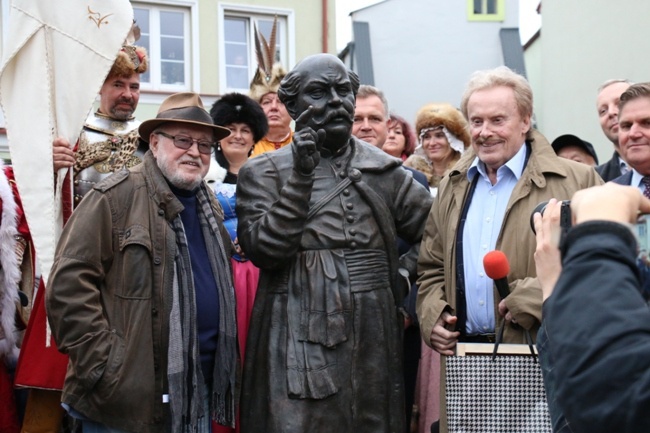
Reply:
x=222 y=271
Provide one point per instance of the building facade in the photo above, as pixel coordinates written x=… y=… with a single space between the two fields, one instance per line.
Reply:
x=207 y=46
x=421 y=51
x=583 y=43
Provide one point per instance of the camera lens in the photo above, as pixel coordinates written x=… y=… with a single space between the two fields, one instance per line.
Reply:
x=565 y=215
x=539 y=208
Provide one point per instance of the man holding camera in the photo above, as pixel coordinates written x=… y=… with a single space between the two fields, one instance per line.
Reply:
x=485 y=203
x=600 y=355
x=609 y=204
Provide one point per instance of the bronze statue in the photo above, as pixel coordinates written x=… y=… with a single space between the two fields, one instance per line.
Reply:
x=321 y=218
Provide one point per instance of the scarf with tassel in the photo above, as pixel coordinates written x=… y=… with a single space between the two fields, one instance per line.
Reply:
x=186 y=384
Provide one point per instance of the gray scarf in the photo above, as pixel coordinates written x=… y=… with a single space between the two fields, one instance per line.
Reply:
x=186 y=384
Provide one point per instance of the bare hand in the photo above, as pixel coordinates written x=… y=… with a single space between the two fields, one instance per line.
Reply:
x=306 y=145
x=610 y=202
x=407 y=322
x=62 y=154
x=505 y=312
x=547 y=254
x=238 y=249
x=443 y=340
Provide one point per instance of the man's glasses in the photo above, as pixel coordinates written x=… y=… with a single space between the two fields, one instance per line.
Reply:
x=185 y=142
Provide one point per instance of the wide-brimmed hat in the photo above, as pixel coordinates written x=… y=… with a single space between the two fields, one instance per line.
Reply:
x=571 y=140
x=182 y=108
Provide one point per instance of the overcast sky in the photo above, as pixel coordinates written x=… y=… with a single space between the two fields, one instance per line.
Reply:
x=529 y=20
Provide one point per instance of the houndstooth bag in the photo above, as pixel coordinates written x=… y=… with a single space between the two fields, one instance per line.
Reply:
x=501 y=395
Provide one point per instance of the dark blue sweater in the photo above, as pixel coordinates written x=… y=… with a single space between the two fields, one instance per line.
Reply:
x=205 y=284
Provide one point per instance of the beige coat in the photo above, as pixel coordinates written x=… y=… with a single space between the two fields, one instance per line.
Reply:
x=545 y=176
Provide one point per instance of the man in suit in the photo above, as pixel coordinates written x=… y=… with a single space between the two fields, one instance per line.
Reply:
x=634 y=136
x=607 y=105
x=371 y=120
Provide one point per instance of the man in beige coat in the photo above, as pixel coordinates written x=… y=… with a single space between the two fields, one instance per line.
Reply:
x=494 y=188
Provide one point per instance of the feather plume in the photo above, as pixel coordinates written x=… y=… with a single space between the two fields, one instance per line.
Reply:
x=265 y=53
x=265 y=50
x=134 y=34
x=258 y=51
x=269 y=73
x=272 y=38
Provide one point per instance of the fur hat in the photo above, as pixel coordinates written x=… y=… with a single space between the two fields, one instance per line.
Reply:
x=443 y=114
x=131 y=58
x=238 y=108
x=269 y=73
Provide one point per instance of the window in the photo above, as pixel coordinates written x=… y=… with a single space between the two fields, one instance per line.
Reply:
x=165 y=33
x=239 y=46
x=485 y=10
x=238 y=59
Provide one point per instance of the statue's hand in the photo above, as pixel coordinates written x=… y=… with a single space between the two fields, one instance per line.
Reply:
x=306 y=145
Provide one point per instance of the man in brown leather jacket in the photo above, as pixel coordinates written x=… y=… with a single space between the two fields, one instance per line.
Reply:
x=141 y=295
x=108 y=142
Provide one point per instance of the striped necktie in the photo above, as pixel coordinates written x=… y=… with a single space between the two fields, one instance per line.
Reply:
x=646 y=183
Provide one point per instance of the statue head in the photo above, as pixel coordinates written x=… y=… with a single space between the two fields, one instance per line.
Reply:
x=322 y=82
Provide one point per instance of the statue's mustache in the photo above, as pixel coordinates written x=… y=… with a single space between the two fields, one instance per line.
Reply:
x=329 y=115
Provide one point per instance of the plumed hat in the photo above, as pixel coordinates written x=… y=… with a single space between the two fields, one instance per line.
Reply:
x=238 y=108
x=443 y=114
x=269 y=73
x=131 y=58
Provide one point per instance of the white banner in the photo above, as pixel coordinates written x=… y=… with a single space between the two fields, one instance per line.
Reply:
x=55 y=60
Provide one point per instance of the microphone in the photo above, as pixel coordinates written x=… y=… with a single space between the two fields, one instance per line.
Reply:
x=497 y=267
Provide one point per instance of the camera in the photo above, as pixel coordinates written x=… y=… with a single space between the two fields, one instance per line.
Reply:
x=641 y=228
x=565 y=216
